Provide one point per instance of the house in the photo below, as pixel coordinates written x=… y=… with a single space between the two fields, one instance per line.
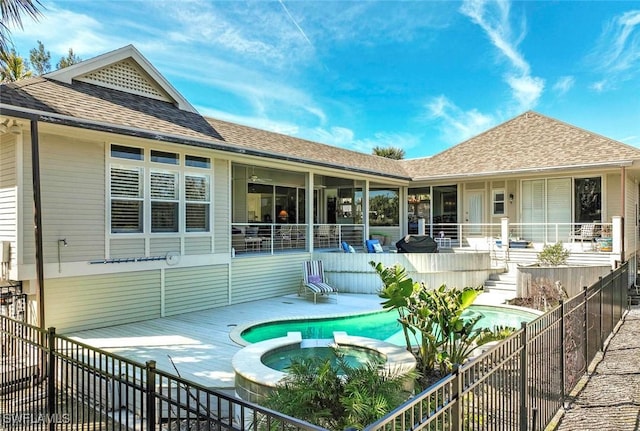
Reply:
x=120 y=202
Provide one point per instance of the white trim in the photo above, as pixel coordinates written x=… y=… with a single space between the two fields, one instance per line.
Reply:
x=162 y=293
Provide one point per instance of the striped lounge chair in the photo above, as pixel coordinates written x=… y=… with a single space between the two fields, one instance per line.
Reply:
x=314 y=282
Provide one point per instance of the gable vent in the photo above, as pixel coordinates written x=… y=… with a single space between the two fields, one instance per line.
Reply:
x=128 y=77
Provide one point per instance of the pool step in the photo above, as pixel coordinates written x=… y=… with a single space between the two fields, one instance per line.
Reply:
x=316 y=342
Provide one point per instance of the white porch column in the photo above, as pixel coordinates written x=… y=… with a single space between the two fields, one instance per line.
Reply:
x=504 y=232
x=309 y=210
x=616 y=235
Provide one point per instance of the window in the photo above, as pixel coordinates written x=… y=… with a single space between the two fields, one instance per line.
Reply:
x=131 y=153
x=197 y=203
x=498 y=202
x=384 y=207
x=164 y=201
x=176 y=200
x=164 y=157
x=197 y=162
x=127 y=193
x=588 y=204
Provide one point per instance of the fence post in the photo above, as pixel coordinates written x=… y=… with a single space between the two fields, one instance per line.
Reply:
x=524 y=378
x=51 y=377
x=150 y=395
x=456 y=409
x=586 y=329
x=563 y=329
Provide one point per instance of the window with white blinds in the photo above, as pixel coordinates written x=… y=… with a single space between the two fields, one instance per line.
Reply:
x=127 y=198
x=164 y=201
x=197 y=203
x=177 y=199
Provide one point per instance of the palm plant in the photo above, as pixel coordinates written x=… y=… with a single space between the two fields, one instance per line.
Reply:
x=11 y=12
x=337 y=396
x=12 y=67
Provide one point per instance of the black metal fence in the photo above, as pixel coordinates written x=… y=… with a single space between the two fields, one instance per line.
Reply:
x=521 y=382
x=51 y=382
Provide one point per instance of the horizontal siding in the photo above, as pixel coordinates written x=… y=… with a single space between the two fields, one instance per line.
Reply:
x=194 y=289
x=73 y=199
x=266 y=277
x=78 y=303
x=161 y=246
x=221 y=199
x=197 y=245
x=126 y=247
x=8 y=163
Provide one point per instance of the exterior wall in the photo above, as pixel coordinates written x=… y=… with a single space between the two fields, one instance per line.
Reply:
x=8 y=201
x=221 y=207
x=77 y=303
x=266 y=276
x=194 y=289
x=72 y=193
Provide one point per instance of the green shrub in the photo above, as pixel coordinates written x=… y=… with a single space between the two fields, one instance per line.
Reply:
x=553 y=255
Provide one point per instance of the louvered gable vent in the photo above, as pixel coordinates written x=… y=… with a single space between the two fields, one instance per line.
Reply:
x=126 y=76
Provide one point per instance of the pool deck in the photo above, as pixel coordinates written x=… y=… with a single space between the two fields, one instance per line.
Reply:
x=198 y=343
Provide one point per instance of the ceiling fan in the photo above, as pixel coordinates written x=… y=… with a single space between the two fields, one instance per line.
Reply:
x=253 y=178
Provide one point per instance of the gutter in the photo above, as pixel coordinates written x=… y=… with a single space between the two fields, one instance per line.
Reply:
x=613 y=164
x=65 y=120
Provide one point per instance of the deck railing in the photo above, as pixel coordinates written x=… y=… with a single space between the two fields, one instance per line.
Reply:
x=267 y=238
x=49 y=381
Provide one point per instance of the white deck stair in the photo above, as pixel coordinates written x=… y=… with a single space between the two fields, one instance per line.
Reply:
x=501 y=285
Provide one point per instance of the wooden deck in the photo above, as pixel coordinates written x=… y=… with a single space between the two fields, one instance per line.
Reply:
x=199 y=344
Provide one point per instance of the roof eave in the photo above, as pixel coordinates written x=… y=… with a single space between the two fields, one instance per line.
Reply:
x=212 y=144
x=610 y=164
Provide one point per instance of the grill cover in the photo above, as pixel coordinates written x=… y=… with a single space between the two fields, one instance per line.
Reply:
x=417 y=244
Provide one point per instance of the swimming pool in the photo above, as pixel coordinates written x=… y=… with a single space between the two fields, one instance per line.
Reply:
x=381 y=325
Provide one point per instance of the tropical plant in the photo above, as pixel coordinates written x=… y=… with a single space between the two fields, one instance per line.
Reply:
x=11 y=12
x=432 y=320
x=389 y=152
x=553 y=255
x=12 y=67
x=337 y=396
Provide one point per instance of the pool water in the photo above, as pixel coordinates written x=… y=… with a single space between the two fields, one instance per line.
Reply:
x=354 y=357
x=382 y=325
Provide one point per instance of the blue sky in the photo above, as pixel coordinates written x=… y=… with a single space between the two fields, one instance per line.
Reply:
x=419 y=75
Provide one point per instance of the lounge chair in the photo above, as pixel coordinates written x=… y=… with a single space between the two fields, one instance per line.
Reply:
x=314 y=281
x=374 y=246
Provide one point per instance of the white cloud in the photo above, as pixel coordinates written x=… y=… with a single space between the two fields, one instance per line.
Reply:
x=494 y=18
x=617 y=54
x=564 y=84
x=457 y=125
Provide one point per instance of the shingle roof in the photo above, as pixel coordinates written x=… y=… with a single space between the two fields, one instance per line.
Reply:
x=84 y=101
x=301 y=149
x=530 y=141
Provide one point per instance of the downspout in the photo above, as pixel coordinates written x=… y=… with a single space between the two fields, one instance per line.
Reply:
x=37 y=217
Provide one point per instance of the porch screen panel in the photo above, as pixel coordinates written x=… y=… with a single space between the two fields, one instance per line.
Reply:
x=533 y=209
x=558 y=195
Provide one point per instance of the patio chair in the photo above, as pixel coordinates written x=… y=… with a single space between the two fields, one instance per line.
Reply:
x=314 y=281
x=586 y=232
x=374 y=246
